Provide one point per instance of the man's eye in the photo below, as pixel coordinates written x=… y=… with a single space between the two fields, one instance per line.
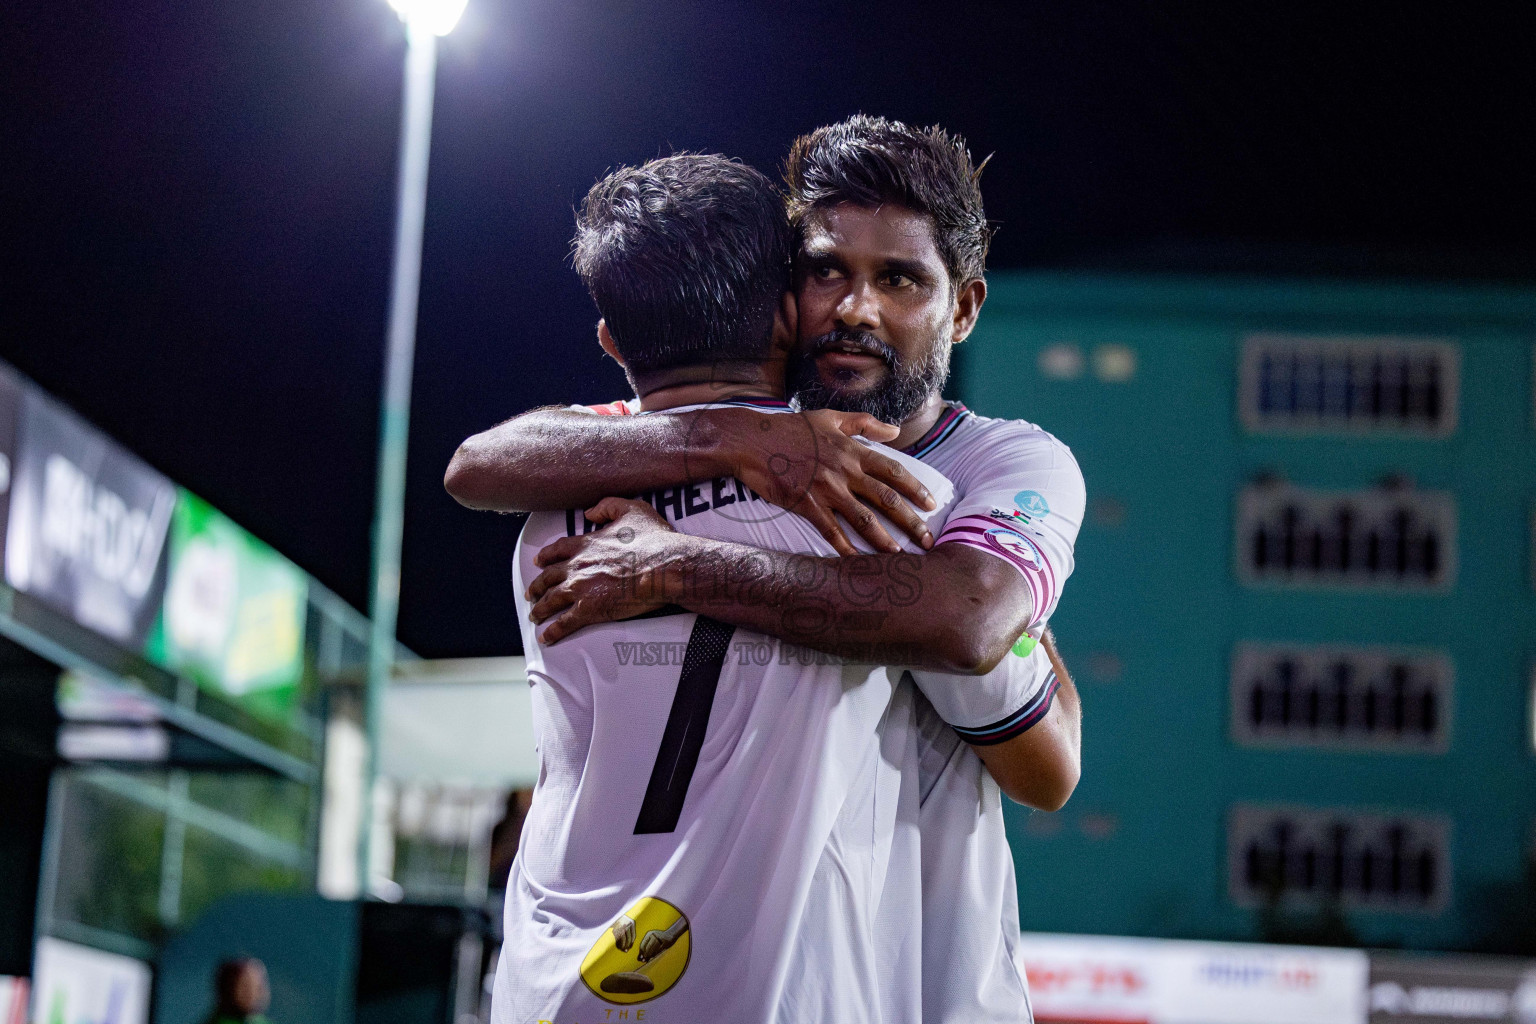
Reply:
x=899 y=281
x=825 y=273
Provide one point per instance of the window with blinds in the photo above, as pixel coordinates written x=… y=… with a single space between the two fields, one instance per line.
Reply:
x=1341 y=697
x=1398 y=538
x=1349 y=385
x=1356 y=860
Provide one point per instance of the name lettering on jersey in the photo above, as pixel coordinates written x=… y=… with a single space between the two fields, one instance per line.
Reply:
x=767 y=651
x=674 y=503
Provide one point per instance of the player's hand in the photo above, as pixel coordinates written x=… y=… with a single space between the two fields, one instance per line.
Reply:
x=811 y=465
x=624 y=934
x=609 y=574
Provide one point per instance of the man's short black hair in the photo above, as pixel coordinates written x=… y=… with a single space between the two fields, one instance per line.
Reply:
x=872 y=161
x=687 y=258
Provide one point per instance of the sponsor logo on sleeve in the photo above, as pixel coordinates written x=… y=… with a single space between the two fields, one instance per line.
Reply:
x=1032 y=503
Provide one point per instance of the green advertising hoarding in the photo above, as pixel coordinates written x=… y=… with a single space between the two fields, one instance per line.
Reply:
x=233 y=614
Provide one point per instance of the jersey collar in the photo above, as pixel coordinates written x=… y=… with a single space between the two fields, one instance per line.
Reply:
x=948 y=420
x=744 y=402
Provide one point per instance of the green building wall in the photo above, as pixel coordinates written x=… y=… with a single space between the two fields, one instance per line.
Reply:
x=1152 y=614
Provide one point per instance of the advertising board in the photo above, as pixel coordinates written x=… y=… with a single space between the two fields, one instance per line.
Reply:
x=1090 y=980
x=87 y=525
x=1236 y=983
x=13 y=1000
x=1451 y=990
x=233 y=615
x=1105 y=980
x=10 y=409
x=76 y=984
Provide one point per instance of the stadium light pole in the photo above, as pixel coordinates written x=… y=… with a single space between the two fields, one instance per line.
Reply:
x=425 y=21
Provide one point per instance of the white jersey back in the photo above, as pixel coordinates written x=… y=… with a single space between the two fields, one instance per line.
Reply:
x=691 y=776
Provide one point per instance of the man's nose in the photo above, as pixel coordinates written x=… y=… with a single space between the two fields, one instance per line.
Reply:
x=860 y=308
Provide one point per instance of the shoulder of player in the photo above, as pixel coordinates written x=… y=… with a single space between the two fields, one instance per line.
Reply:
x=992 y=443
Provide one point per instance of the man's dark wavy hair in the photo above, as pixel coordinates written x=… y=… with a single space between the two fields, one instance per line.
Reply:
x=687 y=258
x=872 y=161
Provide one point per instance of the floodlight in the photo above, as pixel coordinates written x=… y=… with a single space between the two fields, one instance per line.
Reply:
x=435 y=16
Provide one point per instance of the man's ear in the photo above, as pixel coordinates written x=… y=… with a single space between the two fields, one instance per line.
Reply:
x=968 y=307
x=786 y=325
x=606 y=340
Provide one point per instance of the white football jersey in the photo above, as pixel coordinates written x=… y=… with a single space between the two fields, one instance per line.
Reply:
x=714 y=812
x=1020 y=496
x=944 y=930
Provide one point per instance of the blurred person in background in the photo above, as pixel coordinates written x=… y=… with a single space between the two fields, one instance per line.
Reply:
x=505 y=835
x=241 y=992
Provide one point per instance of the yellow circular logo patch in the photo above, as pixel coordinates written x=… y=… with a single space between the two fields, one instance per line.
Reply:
x=641 y=955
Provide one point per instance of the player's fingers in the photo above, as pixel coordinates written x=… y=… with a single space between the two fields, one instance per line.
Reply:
x=546 y=579
x=566 y=623
x=821 y=517
x=866 y=523
x=854 y=423
x=558 y=551
x=550 y=603
x=890 y=472
x=607 y=510
x=895 y=508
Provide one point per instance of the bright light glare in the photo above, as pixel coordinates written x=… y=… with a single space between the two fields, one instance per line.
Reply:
x=435 y=16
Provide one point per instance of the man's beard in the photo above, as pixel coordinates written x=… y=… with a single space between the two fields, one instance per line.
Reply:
x=899 y=394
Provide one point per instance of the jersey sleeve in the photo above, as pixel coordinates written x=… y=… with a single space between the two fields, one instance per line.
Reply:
x=1022 y=501
x=998 y=706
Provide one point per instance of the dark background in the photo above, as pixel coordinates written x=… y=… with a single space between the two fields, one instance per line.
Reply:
x=198 y=201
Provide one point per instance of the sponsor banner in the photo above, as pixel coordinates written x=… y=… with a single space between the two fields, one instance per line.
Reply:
x=79 y=985
x=105 y=722
x=10 y=409
x=1131 y=981
x=233 y=614
x=13 y=991
x=88 y=522
x=1451 y=990
x=1233 y=983
x=82 y=697
x=1090 y=980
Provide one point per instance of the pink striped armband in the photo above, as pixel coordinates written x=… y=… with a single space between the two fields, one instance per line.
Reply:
x=1013 y=547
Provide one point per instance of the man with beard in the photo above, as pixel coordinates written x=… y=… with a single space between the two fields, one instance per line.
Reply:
x=889 y=274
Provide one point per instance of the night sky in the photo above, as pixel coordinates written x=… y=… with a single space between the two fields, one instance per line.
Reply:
x=198 y=201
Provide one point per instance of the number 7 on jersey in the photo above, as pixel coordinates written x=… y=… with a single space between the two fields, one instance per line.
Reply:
x=683 y=737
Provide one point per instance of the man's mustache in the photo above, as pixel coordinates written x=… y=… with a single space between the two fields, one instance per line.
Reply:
x=843 y=339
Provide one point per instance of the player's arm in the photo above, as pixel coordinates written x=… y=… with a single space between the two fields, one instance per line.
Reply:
x=996 y=570
x=556 y=458
x=1040 y=767
x=956 y=609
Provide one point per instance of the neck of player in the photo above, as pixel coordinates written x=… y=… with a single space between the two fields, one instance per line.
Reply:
x=707 y=383
x=920 y=422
